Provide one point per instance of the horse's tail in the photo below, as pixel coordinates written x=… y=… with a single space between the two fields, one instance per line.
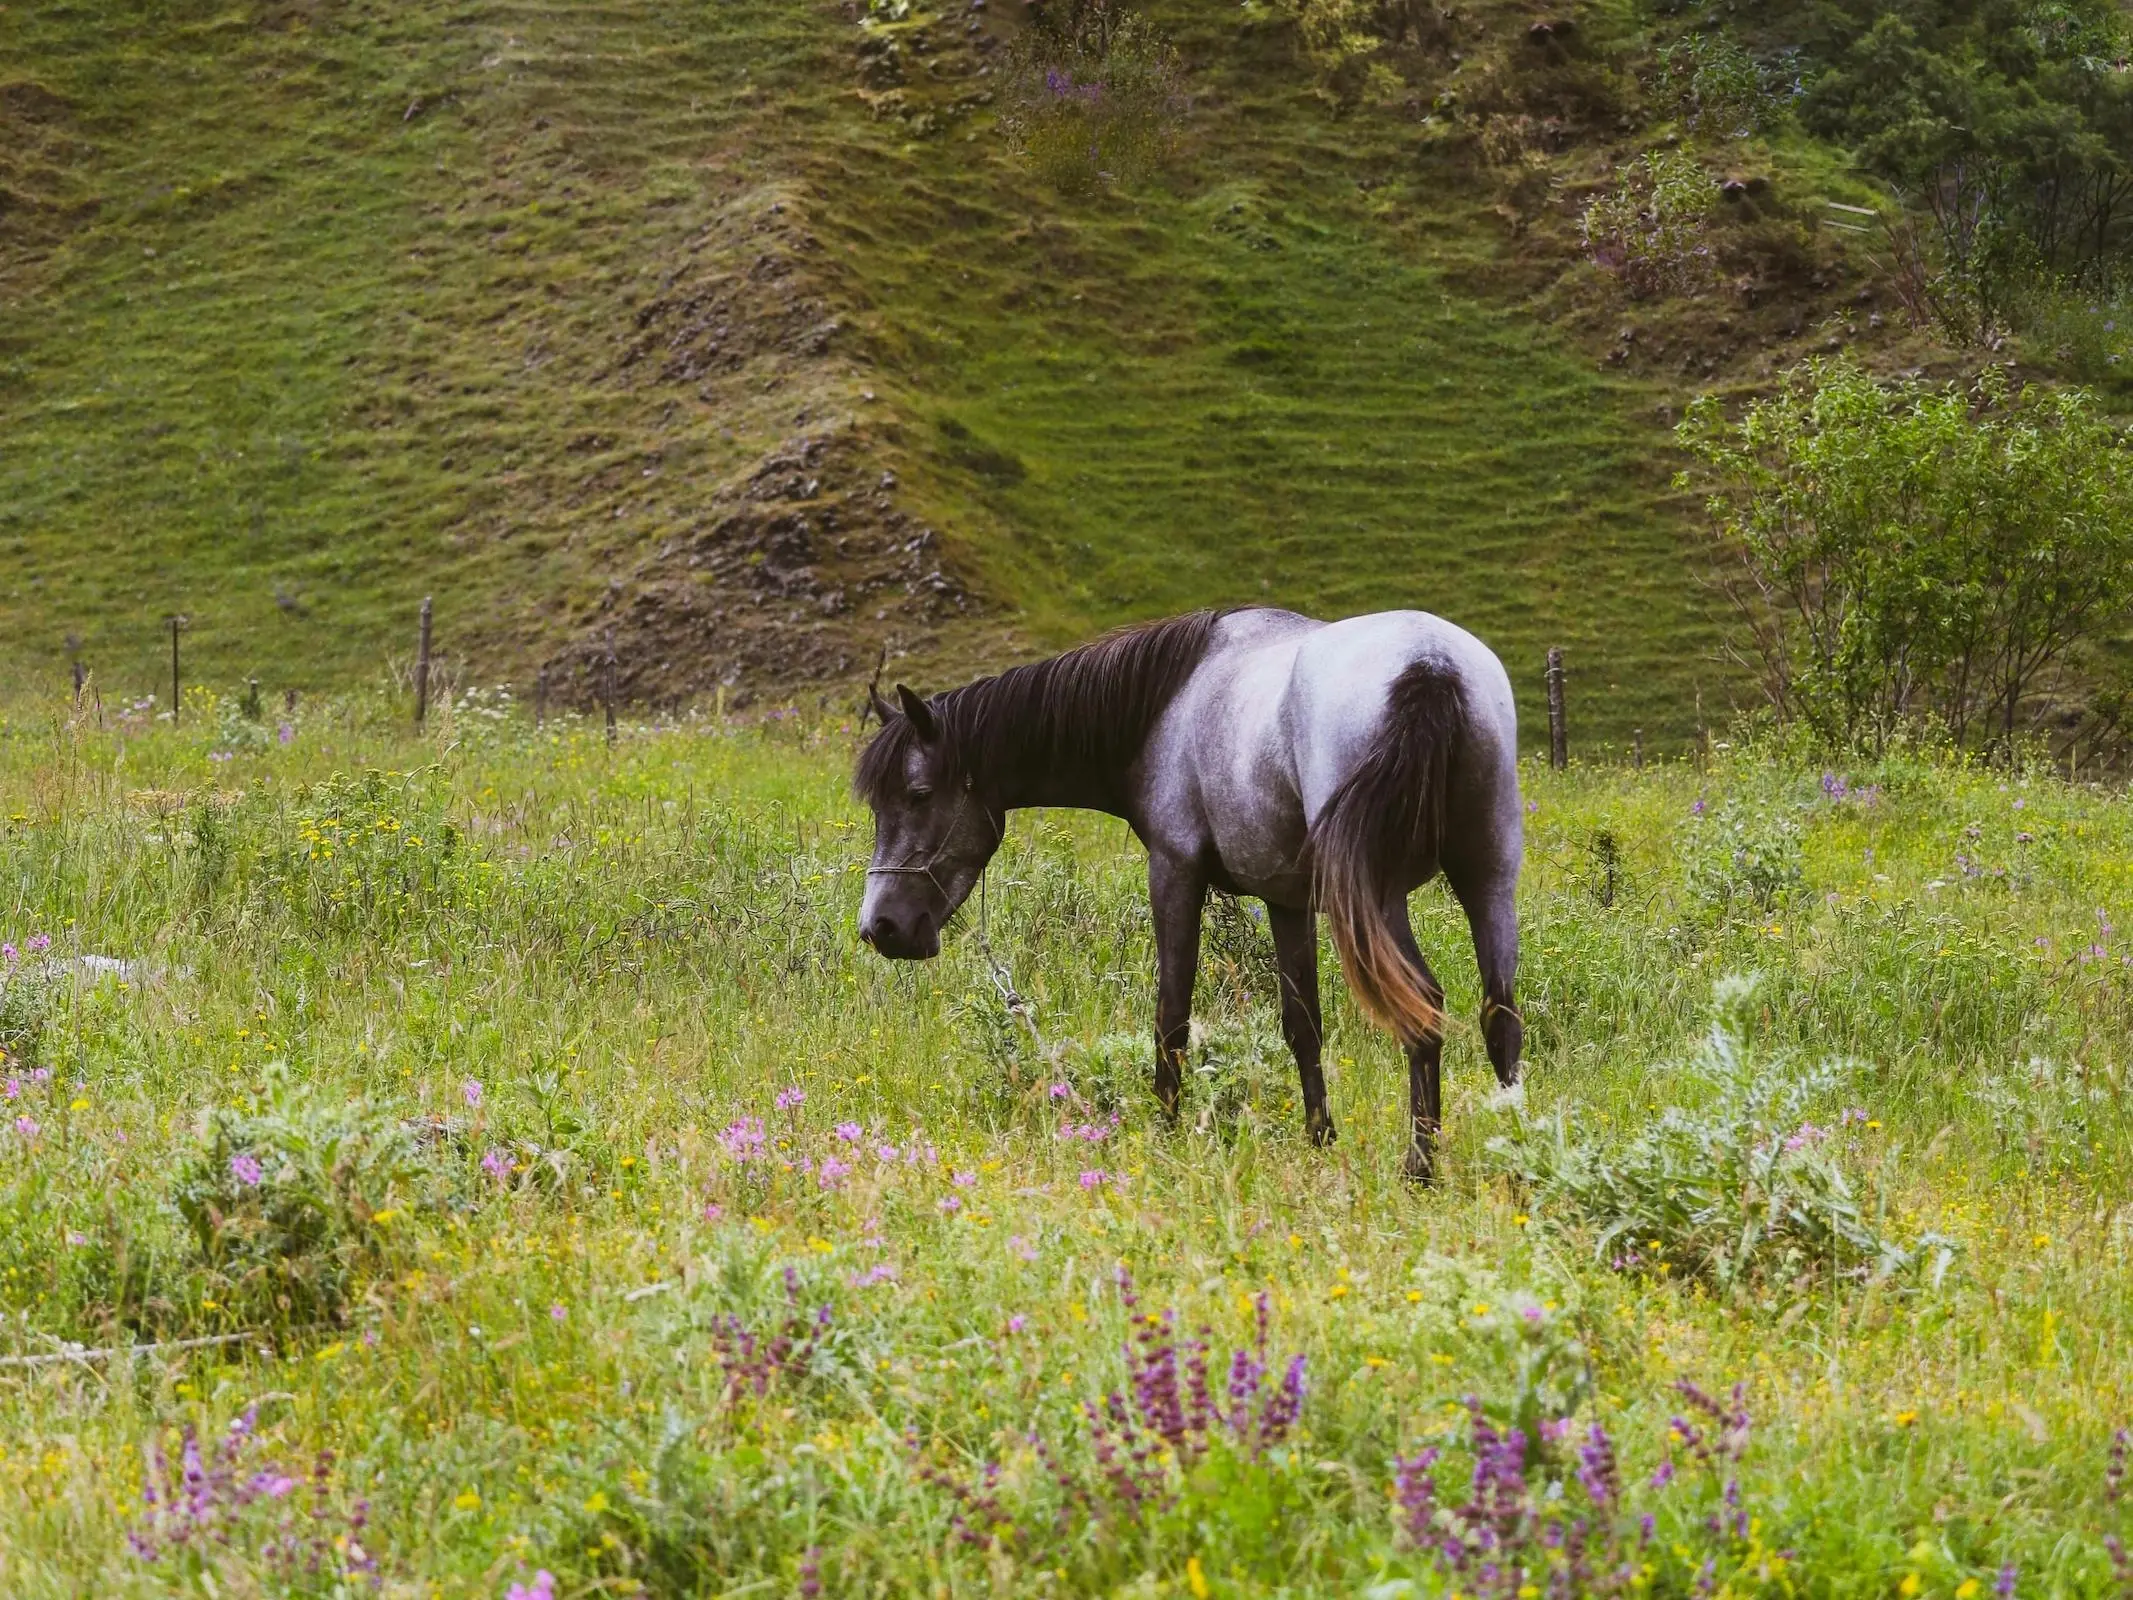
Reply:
x=1386 y=820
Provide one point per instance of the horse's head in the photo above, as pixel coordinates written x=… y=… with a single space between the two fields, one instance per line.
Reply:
x=934 y=831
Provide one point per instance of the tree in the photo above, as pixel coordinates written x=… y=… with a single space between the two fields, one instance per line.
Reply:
x=1909 y=554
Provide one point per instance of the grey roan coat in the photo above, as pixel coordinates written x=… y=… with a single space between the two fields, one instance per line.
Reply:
x=1322 y=767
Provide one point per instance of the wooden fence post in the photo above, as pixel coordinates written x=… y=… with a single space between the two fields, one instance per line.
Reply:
x=1636 y=748
x=81 y=676
x=422 y=667
x=1558 y=733
x=175 y=624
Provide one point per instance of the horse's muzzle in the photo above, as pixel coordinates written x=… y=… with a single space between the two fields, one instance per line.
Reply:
x=902 y=939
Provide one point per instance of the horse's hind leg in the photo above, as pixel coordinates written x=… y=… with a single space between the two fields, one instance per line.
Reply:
x=1296 y=953
x=1425 y=1059
x=1492 y=913
x=1177 y=895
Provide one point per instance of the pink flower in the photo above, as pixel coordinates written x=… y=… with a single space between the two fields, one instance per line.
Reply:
x=879 y=1272
x=1017 y=1245
x=1017 y=1322
x=40 y=942
x=542 y=1588
x=887 y=1152
x=27 y=1127
x=850 y=1132
x=246 y=1170
x=472 y=1090
x=1095 y=1179
x=963 y=1180
x=950 y=1204
x=12 y=1088
x=1060 y=1091
x=713 y=1211
x=743 y=1140
x=833 y=1172
x=497 y=1164
x=286 y=733
x=556 y=1312
x=791 y=1099
x=10 y=953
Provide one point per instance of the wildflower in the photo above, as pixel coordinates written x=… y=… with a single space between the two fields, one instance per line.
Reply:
x=879 y=1272
x=557 y=1312
x=27 y=1127
x=39 y=943
x=2003 y=1586
x=1699 y=808
x=950 y=1205
x=886 y=1152
x=850 y=1132
x=9 y=953
x=472 y=1090
x=963 y=1180
x=466 y=1500
x=246 y=1170
x=497 y=1164
x=1020 y=1246
x=1017 y=1322
x=1060 y=1091
x=286 y=733
x=791 y=1099
x=832 y=1172
x=743 y=1140
x=1664 y=1475
x=713 y=1211
x=542 y=1587
x=1095 y=1179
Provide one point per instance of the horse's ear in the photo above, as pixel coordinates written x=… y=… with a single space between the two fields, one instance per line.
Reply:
x=919 y=712
x=883 y=711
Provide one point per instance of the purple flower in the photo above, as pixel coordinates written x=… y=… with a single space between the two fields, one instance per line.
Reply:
x=497 y=1164
x=1019 y=1246
x=963 y=1180
x=557 y=1311
x=850 y=1132
x=791 y=1099
x=743 y=1140
x=286 y=733
x=27 y=1127
x=1699 y=808
x=713 y=1211
x=39 y=943
x=879 y=1272
x=951 y=1204
x=1808 y=1134
x=542 y=1588
x=1061 y=1091
x=2003 y=1585
x=832 y=1172
x=1664 y=1475
x=472 y=1090
x=12 y=1088
x=9 y=953
x=1095 y=1178
x=246 y=1170
x=1017 y=1322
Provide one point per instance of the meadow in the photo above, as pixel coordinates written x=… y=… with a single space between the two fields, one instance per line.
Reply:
x=487 y=1164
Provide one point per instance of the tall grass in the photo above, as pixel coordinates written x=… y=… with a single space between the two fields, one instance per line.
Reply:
x=572 y=1194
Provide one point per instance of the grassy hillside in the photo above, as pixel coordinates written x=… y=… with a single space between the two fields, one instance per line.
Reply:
x=613 y=317
x=574 y=1194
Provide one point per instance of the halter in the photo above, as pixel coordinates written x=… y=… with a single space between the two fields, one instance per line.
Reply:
x=924 y=868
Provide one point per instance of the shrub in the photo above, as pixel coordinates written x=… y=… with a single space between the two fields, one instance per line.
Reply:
x=1744 y=856
x=1722 y=89
x=1093 y=95
x=1649 y=229
x=1912 y=555
x=289 y=1202
x=1743 y=1191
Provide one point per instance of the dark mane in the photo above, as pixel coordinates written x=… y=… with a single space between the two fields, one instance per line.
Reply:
x=1083 y=715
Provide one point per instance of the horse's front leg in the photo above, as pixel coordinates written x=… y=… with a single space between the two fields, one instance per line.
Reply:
x=1177 y=891
x=1296 y=954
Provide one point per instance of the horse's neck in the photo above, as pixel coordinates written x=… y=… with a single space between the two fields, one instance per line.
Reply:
x=1059 y=783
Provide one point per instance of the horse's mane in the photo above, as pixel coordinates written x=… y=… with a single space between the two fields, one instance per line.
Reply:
x=1088 y=712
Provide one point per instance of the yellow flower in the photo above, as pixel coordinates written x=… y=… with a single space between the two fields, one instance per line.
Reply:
x=1414 y=1297
x=596 y=1502
x=1904 y=1419
x=2040 y=1242
x=1195 y=1579
x=1482 y=1310
x=466 y=1500
x=78 y=1105
x=1911 y=1584
x=1336 y=1291
x=1965 y=1589
x=1520 y=1220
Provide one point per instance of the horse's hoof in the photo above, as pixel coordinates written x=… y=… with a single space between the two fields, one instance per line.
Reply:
x=1418 y=1167
x=1318 y=1128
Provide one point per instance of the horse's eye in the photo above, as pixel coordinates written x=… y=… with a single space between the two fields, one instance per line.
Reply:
x=921 y=792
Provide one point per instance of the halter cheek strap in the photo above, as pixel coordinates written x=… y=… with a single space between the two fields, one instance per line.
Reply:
x=911 y=866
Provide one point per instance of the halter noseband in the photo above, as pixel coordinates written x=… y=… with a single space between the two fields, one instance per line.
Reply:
x=925 y=868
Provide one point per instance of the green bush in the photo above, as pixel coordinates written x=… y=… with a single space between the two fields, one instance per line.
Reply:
x=1742 y=1191
x=1916 y=556
x=1744 y=857
x=1649 y=229
x=1093 y=95
x=291 y=1201
x=369 y=851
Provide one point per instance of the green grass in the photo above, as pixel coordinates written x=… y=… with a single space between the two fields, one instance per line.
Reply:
x=335 y=319
x=628 y=950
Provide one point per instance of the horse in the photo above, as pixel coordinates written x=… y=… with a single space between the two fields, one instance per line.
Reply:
x=1327 y=767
